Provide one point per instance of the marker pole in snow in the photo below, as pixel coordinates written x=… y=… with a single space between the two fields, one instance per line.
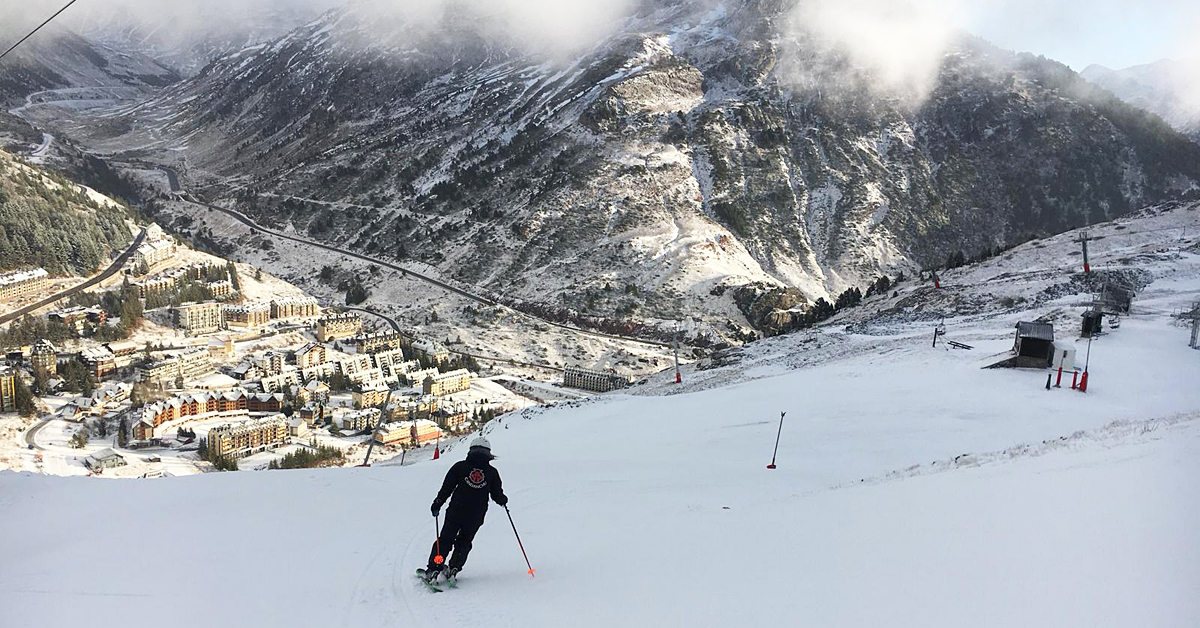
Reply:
x=519 y=543
x=1083 y=381
x=675 y=345
x=777 y=435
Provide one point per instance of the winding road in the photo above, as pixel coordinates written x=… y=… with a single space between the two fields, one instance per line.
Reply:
x=242 y=218
x=31 y=435
x=108 y=272
x=396 y=326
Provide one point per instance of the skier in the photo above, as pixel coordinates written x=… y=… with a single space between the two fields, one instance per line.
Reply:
x=470 y=482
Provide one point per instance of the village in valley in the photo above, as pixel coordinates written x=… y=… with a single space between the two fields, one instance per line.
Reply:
x=184 y=362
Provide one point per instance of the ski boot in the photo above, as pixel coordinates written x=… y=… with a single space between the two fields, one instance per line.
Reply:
x=430 y=576
x=451 y=575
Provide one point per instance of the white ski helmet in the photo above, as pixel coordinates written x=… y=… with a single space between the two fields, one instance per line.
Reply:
x=481 y=442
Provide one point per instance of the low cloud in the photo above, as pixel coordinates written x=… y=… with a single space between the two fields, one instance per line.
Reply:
x=893 y=48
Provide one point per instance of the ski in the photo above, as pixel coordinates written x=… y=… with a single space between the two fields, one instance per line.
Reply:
x=432 y=587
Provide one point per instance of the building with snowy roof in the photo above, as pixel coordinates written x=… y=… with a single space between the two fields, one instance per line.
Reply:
x=106 y=458
x=19 y=283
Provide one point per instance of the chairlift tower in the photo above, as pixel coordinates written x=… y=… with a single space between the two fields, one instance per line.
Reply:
x=1083 y=240
x=1194 y=315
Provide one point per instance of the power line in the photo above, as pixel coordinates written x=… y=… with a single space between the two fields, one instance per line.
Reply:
x=10 y=49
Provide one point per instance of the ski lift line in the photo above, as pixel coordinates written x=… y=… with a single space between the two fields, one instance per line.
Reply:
x=31 y=33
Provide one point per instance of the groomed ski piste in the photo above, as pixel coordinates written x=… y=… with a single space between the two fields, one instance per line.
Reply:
x=913 y=488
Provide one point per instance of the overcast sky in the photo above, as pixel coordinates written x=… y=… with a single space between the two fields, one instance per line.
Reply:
x=1114 y=33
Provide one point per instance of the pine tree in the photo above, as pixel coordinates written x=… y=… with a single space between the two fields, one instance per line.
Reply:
x=233 y=278
x=23 y=399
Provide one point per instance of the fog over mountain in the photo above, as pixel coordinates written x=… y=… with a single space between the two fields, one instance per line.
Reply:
x=1169 y=88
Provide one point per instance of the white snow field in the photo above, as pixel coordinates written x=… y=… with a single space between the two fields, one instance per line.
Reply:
x=659 y=511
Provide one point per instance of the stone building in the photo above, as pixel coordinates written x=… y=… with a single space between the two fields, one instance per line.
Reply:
x=334 y=326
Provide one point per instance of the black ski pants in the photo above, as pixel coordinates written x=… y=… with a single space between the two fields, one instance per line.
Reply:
x=457 y=534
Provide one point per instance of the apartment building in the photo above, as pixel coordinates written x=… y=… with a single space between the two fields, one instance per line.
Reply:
x=190 y=364
x=370 y=396
x=598 y=381
x=412 y=407
x=249 y=315
x=202 y=406
x=78 y=318
x=432 y=351
x=334 y=326
x=151 y=253
x=414 y=433
x=8 y=389
x=20 y=283
x=417 y=377
x=250 y=437
x=294 y=307
x=44 y=358
x=220 y=289
x=310 y=354
x=378 y=341
x=451 y=382
x=358 y=420
x=197 y=318
x=99 y=361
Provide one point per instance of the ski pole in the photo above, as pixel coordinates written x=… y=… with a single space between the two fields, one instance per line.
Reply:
x=519 y=543
x=437 y=539
x=777 y=435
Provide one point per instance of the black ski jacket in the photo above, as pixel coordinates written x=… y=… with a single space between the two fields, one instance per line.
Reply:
x=470 y=482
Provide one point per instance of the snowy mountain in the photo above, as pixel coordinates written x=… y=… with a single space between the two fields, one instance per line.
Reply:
x=187 y=36
x=60 y=58
x=1168 y=88
x=696 y=156
x=913 y=488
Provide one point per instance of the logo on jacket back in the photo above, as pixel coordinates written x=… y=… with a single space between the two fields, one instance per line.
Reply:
x=476 y=479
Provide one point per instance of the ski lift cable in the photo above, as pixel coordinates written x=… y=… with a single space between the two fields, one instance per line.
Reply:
x=11 y=48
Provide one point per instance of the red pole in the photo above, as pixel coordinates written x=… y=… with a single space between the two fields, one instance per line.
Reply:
x=1074 y=379
x=1083 y=382
x=1058 y=382
x=519 y=543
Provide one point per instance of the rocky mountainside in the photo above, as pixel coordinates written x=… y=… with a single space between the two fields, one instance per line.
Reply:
x=187 y=36
x=60 y=58
x=1168 y=88
x=700 y=147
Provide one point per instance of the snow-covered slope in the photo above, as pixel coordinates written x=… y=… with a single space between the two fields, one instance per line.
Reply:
x=914 y=489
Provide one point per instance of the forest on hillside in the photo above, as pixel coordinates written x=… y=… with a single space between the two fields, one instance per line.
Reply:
x=48 y=221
